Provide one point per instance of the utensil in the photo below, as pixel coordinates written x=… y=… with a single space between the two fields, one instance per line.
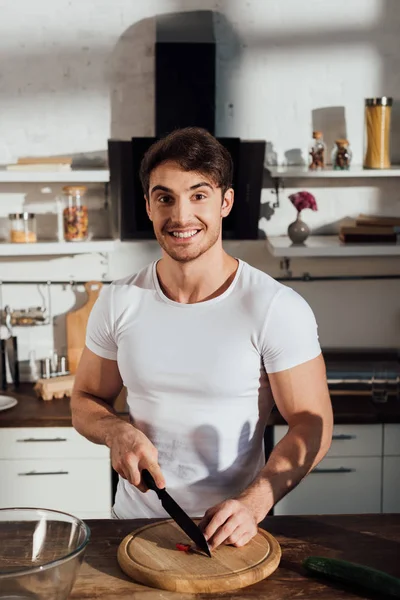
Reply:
x=76 y=322
x=177 y=513
x=41 y=553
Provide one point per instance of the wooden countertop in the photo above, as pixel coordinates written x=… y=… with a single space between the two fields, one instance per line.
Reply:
x=34 y=412
x=371 y=540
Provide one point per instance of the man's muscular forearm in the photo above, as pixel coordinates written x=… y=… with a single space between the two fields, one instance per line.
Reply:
x=94 y=418
x=303 y=447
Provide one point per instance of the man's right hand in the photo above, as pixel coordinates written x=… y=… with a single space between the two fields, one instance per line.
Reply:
x=131 y=452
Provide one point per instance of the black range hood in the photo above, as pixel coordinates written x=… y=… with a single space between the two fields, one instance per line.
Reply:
x=185 y=93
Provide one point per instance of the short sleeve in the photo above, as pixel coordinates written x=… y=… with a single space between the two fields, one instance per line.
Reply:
x=290 y=335
x=100 y=337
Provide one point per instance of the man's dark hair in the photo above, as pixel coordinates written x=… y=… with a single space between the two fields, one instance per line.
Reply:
x=193 y=149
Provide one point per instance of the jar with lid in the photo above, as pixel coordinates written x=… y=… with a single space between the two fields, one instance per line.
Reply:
x=377 y=130
x=341 y=155
x=75 y=214
x=22 y=228
x=317 y=152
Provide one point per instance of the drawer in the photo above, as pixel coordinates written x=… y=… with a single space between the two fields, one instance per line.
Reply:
x=391 y=436
x=348 y=440
x=47 y=442
x=337 y=486
x=68 y=485
x=391 y=484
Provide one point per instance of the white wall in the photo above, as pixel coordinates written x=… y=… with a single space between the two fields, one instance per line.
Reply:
x=76 y=72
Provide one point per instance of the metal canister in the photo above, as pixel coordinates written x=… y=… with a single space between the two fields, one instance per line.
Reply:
x=45 y=368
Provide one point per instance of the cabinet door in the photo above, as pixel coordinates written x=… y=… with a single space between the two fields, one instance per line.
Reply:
x=337 y=486
x=75 y=486
x=47 y=442
x=348 y=440
x=392 y=439
x=391 y=484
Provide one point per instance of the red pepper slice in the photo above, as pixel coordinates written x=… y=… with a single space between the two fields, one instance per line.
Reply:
x=183 y=547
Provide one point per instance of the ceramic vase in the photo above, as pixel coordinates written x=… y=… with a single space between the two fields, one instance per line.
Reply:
x=298 y=231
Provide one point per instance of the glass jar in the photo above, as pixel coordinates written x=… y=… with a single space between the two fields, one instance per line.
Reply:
x=75 y=214
x=341 y=155
x=317 y=152
x=22 y=228
x=377 y=130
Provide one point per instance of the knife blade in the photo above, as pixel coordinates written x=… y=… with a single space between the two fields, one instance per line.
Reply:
x=177 y=513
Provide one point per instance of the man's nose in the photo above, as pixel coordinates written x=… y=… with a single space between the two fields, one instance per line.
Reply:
x=181 y=211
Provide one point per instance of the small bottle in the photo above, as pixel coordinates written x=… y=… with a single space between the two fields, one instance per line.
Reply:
x=75 y=214
x=317 y=152
x=341 y=155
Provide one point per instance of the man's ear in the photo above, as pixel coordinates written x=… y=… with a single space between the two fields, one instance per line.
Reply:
x=148 y=208
x=227 y=202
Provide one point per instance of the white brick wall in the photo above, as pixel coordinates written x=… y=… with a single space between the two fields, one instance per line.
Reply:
x=76 y=72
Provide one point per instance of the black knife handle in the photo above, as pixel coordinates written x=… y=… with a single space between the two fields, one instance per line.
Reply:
x=149 y=481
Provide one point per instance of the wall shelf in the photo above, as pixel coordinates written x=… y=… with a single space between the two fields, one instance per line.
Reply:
x=56 y=248
x=73 y=176
x=298 y=172
x=325 y=246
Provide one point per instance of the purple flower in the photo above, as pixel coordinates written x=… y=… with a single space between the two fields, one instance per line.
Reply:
x=302 y=200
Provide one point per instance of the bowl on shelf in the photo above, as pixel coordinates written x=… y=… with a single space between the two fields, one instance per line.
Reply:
x=41 y=553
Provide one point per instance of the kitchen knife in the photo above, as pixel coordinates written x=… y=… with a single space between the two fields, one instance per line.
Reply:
x=176 y=512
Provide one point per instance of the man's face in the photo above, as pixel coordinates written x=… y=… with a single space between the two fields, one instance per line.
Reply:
x=186 y=209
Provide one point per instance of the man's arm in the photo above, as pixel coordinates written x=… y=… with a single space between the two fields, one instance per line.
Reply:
x=302 y=397
x=97 y=384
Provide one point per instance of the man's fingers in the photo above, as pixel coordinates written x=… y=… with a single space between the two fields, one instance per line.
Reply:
x=207 y=517
x=221 y=515
x=155 y=470
x=235 y=536
x=223 y=533
x=132 y=470
x=243 y=540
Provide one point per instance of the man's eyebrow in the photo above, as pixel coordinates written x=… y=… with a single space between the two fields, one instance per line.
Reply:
x=163 y=188
x=201 y=184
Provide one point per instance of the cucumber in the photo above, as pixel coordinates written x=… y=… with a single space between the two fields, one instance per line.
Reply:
x=354 y=574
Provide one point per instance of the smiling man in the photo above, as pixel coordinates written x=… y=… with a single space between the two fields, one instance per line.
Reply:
x=205 y=344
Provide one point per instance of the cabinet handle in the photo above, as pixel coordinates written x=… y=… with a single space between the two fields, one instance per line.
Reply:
x=57 y=439
x=343 y=436
x=338 y=470
x=31 y=473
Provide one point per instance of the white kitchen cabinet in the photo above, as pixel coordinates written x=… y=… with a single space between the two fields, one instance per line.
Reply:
x=337 y=486
x=347 y=481
x=56 y=468
x=348 y=440
x=391 y=469
x=391 y=484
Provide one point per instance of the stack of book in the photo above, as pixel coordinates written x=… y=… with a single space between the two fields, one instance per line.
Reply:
x=369 y=229
x=42 y=163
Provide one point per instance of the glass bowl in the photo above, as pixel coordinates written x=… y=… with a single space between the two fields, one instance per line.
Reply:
x=40 y=553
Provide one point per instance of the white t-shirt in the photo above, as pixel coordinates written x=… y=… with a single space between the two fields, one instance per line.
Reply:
x=196 y=376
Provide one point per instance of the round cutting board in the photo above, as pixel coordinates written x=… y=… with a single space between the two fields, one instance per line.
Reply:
x=149 y=556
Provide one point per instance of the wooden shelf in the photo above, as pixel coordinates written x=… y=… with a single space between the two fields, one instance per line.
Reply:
x=328 y=173
x=74 y=176
x=56 y=248
x=325 y=246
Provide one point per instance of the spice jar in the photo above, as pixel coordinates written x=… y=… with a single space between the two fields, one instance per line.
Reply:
x=75 y=214
x=22 y=228
x=317 y=152
x=341 y=155
x=377 y=129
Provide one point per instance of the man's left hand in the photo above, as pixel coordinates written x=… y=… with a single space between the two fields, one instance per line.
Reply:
x=230 y=522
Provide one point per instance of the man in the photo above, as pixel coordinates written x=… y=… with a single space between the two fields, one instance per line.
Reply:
x=205 y=344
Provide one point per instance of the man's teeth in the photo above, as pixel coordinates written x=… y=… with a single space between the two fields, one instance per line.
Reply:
x=184 y=234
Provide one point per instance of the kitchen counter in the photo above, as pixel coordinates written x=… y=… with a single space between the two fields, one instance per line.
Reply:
x=372 y=540
x=34 y=412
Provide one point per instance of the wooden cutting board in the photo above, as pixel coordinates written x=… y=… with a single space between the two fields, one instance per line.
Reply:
x=149 y=556
x=76 y=322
